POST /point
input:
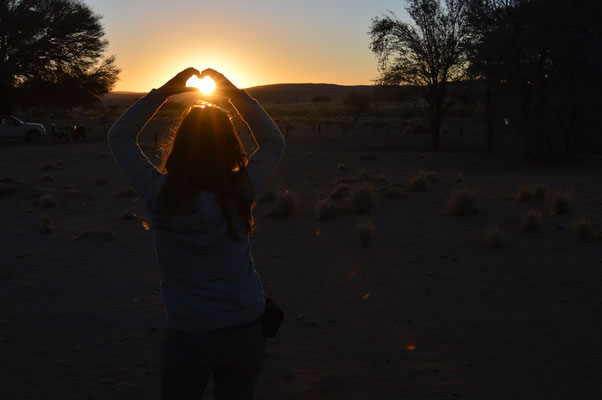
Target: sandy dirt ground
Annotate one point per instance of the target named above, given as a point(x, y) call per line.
point(425, 312)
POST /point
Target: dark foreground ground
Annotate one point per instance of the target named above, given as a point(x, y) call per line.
point(425, 312)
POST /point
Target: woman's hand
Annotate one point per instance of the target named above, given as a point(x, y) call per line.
point(177, 84)
point(223, 87)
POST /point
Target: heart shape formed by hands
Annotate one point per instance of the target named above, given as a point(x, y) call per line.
point(205, 85)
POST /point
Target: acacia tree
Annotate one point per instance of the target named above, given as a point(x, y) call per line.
point(427, 52)
point(52, 51)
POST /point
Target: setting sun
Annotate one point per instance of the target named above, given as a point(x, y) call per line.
point(205, 85)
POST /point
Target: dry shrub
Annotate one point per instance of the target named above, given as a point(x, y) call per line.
point(420, 182)
point(47, 178)
point(347, 180)
point(462, 202)
point(525, 193)
point(340, 193)
point(326, 209)
point(127, 193)
point(285, 204)
point(100, 181)
point(561, 203)
point(584, 229)
point(98, 233)
point(8, 181)
point(540, 190)
point(362, 199)
point(366, 176)
point(418, 128)
point(47, 201)
point(459, 178)
point(48, 165)
point(341, 166)
point(46, 223)
point(393, 191)
point(365, 230)
point(6, 189)
point(531, 221)
point(494, 237)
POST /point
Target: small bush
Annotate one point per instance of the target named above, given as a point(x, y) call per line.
point(326, 209)
point(494, 237)
point(525, 193)
point(540, 190)
point(365, 230)
point(462, 202)
point(47, 201)
point(284, 206)
point(46, 223)
point(584, 229)
point(561, 203)
point(365, 176)
point(49, 165)
point(47, 178)
point(6, 189)
point(98, 233)
point(420, 183)
point(362, 199)
point(100, 181)
point(531, 221)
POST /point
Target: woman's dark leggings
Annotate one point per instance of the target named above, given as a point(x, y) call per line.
point(234, 356)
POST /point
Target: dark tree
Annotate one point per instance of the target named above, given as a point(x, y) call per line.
point(540, 61)
point(52, 51)
point(427, 53)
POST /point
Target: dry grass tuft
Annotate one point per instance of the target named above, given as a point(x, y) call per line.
point(494, 237)
point(561, 203)
point(365, 230)
point(47, 178)
point(98, 233)
point(47, 201)
point(540, 190)
point(285, 205)
point(531, 221)
point(46, 223)
point(127, 193)
point(584, 229)
point(100, 181)
point(366, 176)
point(6, 189)
point(49, 165)
point(525, 193)
point(362, 199)
point(326, 209)
point(462, 202)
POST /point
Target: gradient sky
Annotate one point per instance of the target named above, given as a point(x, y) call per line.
point(253, 42)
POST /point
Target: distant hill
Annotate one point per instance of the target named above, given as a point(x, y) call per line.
point(278, 93)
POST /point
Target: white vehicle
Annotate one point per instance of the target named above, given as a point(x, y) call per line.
point(11, 127)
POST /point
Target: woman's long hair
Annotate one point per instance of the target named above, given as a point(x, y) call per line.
point(205, 154)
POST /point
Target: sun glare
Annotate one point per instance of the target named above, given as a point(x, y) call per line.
point(205, 85)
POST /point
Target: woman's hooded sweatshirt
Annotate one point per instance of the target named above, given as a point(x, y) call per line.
point(208, 279)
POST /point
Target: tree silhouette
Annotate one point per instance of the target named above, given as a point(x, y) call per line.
point(427, 53)
point(52, 51)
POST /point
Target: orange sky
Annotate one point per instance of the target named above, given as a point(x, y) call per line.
point(252, 42)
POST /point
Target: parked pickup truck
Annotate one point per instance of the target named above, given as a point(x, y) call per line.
point(11, 127)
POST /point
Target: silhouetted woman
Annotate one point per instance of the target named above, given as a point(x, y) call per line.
point(200, 205)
